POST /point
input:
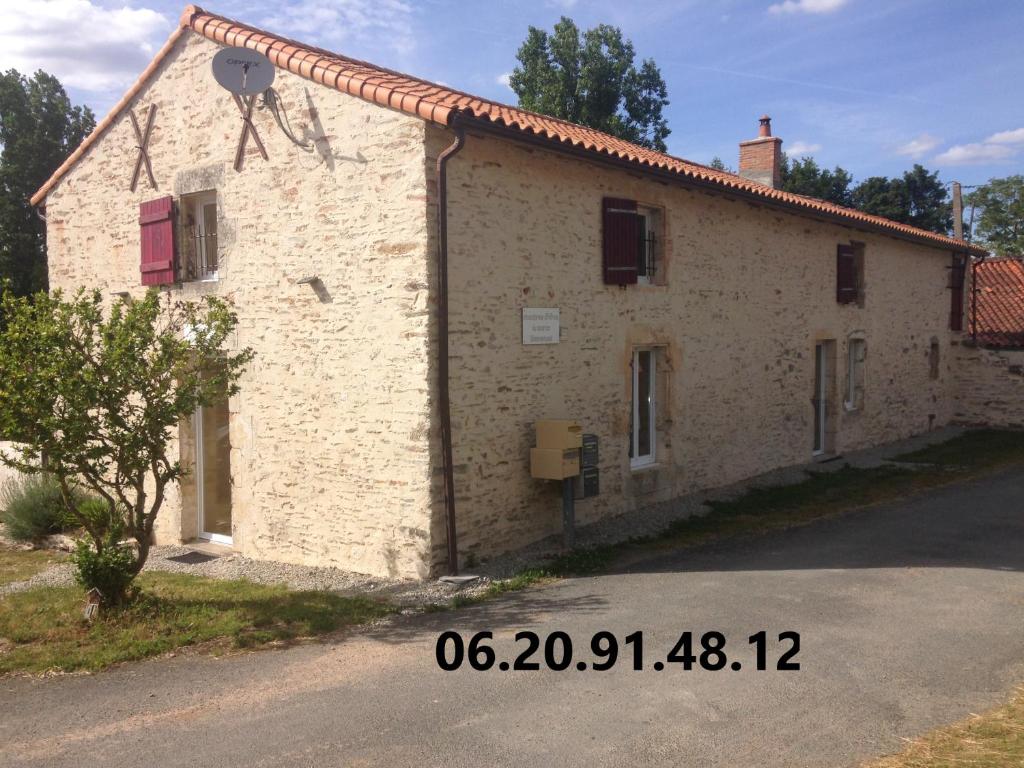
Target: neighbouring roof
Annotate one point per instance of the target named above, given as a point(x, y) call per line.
point(1000, 302)
point(442, 105)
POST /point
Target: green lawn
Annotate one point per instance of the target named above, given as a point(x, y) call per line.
point(18, 565)
point(43, 629)
point(994, 739)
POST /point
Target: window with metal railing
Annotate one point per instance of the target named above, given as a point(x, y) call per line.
point(647, 261)
point(198, 238)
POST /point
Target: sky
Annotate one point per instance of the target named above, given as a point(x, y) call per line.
point(871, 85)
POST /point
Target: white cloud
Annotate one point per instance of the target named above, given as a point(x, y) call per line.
point(505, 78)
point(798, 148)
point(807, 6)
point(1007, 137)
point(83, 44)
point(999, 146)
point(920, 146)
point(341, 24)
point(974, 154)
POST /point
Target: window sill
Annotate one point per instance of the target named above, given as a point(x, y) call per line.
point(644, 467)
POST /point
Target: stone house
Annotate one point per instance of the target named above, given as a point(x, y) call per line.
point(396, 250)
point(990, 365)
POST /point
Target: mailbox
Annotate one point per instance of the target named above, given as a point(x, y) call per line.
point(589, 445)
point(561, 434)
point(554, 463)
point(589, 483)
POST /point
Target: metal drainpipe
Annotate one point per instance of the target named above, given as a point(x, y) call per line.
point(974, 296)
point(444, 396)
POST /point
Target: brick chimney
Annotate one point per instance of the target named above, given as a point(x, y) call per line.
point(761, 158)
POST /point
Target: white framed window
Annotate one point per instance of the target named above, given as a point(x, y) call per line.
point(199, 236)
point(856, 350)
point(649, 220)
point(642, 436)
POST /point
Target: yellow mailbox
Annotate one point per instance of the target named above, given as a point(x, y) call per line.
point(554, 463)
point(559, 434)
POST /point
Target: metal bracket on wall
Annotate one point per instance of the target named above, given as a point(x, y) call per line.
point(143, 138)
point(247, 128)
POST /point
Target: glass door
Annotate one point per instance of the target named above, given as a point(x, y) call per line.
point(213, 472)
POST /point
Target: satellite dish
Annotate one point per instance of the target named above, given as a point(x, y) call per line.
point(243, 71)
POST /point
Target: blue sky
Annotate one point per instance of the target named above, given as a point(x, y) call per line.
point(872, 85)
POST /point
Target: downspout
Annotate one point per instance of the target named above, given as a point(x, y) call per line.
point(975, 263)
point(444, 396)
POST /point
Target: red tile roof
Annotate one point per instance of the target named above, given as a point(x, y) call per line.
point(442, 105)
point(1000, 297)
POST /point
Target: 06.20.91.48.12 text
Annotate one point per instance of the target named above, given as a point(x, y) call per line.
point(604, 651)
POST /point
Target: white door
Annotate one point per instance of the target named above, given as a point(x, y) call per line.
point(213, 472)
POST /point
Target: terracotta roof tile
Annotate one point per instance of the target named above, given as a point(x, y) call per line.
point(440, 104)
point(1000, 309)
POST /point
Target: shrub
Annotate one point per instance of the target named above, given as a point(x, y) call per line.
point(109, 570)
point(32, 507)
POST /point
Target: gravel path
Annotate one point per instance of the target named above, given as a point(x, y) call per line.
point(412, 594)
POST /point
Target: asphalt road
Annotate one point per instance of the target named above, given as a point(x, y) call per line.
point(910, 616)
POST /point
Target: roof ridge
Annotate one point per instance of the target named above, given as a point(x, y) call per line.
point(440, 104)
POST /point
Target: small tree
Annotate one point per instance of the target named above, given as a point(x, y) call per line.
point(99, 396)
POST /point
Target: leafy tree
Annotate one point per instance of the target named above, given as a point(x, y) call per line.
point(99, 395)
point(917, 198)
point(999, 210)
point(38, 129)
point(881, 196)
point(719, 165)
point(590, 78)
point(803, 176)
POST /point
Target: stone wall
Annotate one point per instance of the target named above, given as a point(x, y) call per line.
point(330, 459)
point(747, 291)
point(990, 387)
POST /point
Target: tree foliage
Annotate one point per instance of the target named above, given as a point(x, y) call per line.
point(39, 128)
point(917, 198)
point(99, 394)
point(591, 78)
point(803, 176)
point(999, 215)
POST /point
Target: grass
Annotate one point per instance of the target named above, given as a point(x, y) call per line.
point(18, 565)
point(43, 629)
point(994, 739)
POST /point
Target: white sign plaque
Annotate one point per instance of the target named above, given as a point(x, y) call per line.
point(540, 325)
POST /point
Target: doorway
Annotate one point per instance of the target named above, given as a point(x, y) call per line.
point(210, 426)
point(820, 399)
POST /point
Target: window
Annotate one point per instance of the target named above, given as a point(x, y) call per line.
point(642, 435)
point(855, 350)
point(647, 262)
point(199, 236)
point(631, 242)
point(850, 274)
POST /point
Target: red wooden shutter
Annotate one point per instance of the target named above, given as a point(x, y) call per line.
point(156, 221)
point(846, 275)
point(956, 293)
point(621, 241)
